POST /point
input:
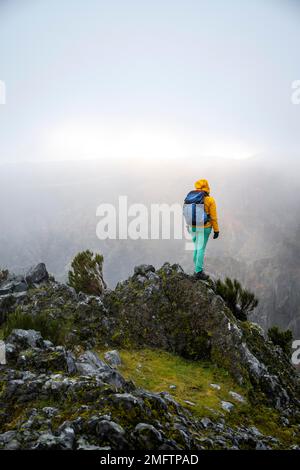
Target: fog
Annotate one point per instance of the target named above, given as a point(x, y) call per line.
point(48, 210)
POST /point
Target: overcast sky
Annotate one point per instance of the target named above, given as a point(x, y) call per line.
point(152, 79)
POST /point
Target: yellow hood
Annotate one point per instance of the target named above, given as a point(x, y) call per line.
point(202, 185)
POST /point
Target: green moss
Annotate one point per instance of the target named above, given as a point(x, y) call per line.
point(156, 370)
point(268, 421)
point(2, 387)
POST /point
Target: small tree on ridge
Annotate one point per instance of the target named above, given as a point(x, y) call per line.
point(86, 273)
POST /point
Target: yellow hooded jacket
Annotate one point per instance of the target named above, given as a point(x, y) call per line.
point(209, 205)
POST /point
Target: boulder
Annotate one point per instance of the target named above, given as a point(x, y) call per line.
point(90, 364)
point(227, 406)
point(29, 350)
point(37, 274)
point(13, 286)
point(24, 339)
point(144, 269)
point(216, 386)
point(113, 358)
point(111, 432)
point(48, 441)
point(51, 359)
point(237, 397)
point(147, 436)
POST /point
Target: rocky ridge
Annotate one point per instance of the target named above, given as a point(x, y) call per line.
point(58, 394)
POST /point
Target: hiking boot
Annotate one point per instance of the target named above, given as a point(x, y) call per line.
point(201, 276)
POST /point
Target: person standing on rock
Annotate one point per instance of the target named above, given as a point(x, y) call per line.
point(200, 213)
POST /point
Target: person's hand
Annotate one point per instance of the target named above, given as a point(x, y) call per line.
point(216, 234)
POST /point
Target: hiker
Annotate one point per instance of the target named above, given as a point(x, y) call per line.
point(201, 216)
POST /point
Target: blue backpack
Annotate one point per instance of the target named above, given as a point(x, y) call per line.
point(193, 209)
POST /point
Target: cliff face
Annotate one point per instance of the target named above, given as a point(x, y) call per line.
point(60, 394)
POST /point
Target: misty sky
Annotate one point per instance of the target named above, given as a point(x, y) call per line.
point(153, 79)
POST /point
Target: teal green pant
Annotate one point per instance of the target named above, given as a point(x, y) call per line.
point(200, 238)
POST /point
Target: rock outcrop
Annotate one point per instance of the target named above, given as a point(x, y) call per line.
point(170, 310)
point(58, 393)
point(50, 400)
point(13, 288)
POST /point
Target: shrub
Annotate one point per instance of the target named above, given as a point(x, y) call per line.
point(281, 338)
point(86, 273)
point(240, 301)
point(49, 328)
point(6, 305)
point(3, 275)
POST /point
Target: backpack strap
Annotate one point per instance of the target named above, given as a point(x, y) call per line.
point(193, 215)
